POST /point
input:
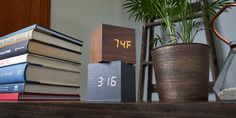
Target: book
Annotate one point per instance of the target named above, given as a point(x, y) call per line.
point(38, 89)
point(38, 74)
point(42, 34)
point(41, 97)
point(36, 47)
point(41, 60)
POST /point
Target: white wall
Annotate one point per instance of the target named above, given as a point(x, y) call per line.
point(78, 18)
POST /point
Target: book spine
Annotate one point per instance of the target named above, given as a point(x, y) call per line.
point(32, 27)
point(14, 50)
point(13, 74)
point(16, 38)
point(59, 35)
point(14, 60)
point(9, 96)
point(12, 88)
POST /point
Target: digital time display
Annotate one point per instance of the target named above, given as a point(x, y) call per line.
point(113, 81)
point(101, 81)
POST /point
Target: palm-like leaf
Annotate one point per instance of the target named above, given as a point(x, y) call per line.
point(168, 10)
point(214, 6)
point(155, 40)
point(140, 10)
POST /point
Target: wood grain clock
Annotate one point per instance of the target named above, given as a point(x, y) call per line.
point(114, 81)
point(111, 43)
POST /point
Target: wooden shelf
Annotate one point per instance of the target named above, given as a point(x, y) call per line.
point(112, 110)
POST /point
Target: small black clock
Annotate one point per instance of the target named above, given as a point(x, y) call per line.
point(114, 81)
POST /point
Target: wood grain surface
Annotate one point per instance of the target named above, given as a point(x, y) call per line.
point(105, 46)
point(116, 110)
point(17, 14)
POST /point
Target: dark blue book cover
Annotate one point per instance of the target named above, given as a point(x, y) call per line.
point(13, 74)
point(14, 50)
point(12, 88)
point(23, 48)
point(46, 31)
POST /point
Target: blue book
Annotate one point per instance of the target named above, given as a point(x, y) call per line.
point(37, 88)
point(39, 48)
point(13, 74)
point(12, 88)
point(31, 73)
point(14, 50)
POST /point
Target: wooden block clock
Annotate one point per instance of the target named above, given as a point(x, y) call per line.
point(111, 43)
point(114, 81)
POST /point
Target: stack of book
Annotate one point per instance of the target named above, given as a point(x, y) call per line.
point(37, 63)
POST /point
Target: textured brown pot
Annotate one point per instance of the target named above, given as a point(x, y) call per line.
point(182, 72)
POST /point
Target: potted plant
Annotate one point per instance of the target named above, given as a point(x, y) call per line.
point(181, 66)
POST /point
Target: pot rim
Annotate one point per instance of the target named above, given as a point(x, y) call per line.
point(206, 45)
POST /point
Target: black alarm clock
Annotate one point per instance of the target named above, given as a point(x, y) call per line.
point(114, 81)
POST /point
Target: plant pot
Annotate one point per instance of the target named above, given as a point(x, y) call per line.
point(182, 72)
